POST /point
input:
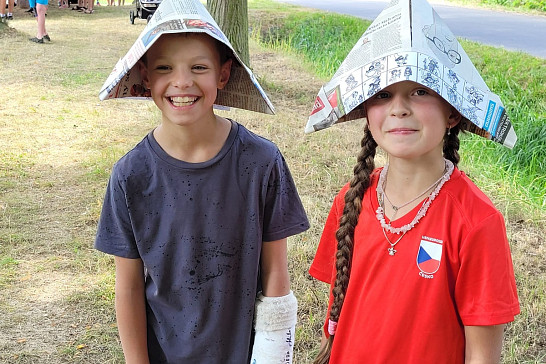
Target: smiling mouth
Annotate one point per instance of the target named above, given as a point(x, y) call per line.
point(401, 131)
point(180, 101)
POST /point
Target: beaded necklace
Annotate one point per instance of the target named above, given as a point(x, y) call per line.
point(449, 167)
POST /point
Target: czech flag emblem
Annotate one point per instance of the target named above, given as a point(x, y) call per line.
point(429, 255)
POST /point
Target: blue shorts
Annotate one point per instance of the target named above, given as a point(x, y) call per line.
point(41, 2)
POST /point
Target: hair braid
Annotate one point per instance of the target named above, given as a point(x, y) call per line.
point(451, 145)
point(345, 234)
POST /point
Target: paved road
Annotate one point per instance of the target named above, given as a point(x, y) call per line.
point(512, 31)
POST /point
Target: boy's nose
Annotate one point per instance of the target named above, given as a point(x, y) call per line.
point(182, 79)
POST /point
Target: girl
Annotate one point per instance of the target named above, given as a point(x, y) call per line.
point(422, 269)
point(417, 256)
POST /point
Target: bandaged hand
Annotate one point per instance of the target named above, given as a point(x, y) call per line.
point(275, 324)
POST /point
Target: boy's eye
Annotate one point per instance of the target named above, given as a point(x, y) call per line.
point(162, 68)
point(421, 92)
point(382, 95)
point(199, 68)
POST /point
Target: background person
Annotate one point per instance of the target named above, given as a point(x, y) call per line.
point(9, 15)
point(89, 7)
point(41, 34)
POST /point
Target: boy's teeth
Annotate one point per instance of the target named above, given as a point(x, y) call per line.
point(183, 101)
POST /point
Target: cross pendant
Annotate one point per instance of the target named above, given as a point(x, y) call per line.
point(391, 251)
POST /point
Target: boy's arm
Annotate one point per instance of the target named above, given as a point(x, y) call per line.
point(276, 308)
point(483, 344)
point(274, 268)
point(131, 309)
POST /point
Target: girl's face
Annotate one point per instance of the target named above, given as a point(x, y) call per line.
point(409, 121)
point(183, 73)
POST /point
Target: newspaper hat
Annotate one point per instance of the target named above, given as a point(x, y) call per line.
point(185, 16)
point(409, 41)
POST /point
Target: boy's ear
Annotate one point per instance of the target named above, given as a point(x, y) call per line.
point(225, 72)
point(455, 117)
point(144, 73)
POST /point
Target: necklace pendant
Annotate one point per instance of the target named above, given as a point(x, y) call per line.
point(395, 208)
point(392, 251)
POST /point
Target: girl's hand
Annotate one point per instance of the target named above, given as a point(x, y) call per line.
point(483, 344)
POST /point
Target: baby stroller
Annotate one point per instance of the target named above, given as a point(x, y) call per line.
point(144, 9)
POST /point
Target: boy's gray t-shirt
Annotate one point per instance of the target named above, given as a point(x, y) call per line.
point(199, 227)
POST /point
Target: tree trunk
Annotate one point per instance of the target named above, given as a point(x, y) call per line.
point(232, 18)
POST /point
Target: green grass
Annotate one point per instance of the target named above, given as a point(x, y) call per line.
point(317, 35)
point(8, 266)
point(325, 39)
point(519, 80)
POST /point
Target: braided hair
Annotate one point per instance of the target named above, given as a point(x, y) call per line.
point(345, 234)
point(347, 224)
point(451, 145)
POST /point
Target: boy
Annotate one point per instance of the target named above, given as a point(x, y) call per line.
point(197, 214)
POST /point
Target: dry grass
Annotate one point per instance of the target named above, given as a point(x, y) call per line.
point(58, 143)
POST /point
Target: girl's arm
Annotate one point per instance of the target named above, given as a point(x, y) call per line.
point(131, 309)
point(274, 266)
point(483, 344)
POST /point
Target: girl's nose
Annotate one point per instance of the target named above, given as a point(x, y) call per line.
point(399, 106)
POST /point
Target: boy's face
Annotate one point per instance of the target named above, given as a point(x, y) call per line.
point(409, 120)
point(183, 73)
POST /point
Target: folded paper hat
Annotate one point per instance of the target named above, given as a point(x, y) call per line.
point(185, 16)
point(409, 41)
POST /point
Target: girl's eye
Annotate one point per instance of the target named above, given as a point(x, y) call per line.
point(162, 68)
point(199, 68)
point(421, 92)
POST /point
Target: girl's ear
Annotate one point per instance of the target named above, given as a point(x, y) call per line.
point(454, 118)
point(225, 72)
point(144, 74)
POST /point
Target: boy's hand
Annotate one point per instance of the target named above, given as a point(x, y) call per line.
point(131, 310)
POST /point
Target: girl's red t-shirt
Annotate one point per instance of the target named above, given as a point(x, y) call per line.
point(454, 268)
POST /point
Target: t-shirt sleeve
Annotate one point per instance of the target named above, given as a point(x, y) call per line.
point(284, 214)
point(485, 289)
point(323, 263)
point(115, 234)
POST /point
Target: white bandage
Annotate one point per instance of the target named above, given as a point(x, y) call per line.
point(275, 323)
